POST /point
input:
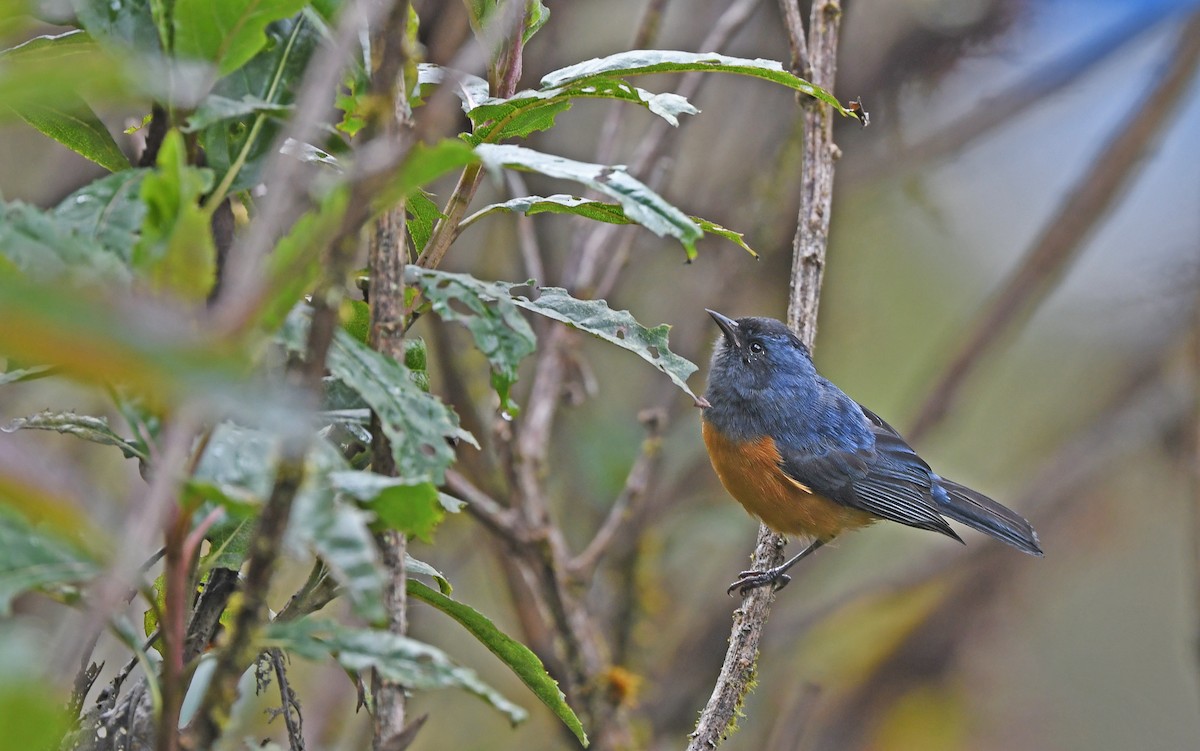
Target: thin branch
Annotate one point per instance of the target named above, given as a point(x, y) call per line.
point(289, 705)
point(796, 39)
point(808, 262)
point(1064, 234)
point(626, 509)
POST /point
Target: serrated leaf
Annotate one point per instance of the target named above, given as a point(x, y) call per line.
point(592, 316)
point(519, 658)
point(32, 558)
point(641, 62)
point(239, 464)
point(45, 249)
point(409, 662)
point(227, 32)
point(600, 211)
point(411, 508)
point(176, 251)
point(418, 425)
point(87, 427)
point(500, 332)
point(423, 215)
point(71, 122)
point(529, 111)
point(639, 203)
point(108, 210)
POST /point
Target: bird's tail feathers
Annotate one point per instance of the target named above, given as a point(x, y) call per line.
point(982, 513)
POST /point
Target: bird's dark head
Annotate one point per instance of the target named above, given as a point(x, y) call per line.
point(755, 355)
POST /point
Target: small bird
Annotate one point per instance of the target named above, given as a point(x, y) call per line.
point(806, 459)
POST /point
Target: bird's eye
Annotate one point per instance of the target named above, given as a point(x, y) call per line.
point(756, 347)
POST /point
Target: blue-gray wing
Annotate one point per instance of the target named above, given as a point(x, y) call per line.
point(883, 476)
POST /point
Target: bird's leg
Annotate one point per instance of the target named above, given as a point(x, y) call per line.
point(777, 577)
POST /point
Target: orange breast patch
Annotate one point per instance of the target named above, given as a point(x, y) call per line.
point(751, 472)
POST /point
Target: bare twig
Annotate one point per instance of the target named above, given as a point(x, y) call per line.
point(796, 40)
point(808, 261)
point(1064, 235)
point(625, 509)
point(289, 705)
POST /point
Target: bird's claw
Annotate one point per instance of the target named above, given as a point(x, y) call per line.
point(748, 580)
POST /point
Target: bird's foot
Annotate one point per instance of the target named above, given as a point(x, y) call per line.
point(748, 580)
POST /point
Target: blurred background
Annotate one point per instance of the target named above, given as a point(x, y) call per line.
point(1038, 156)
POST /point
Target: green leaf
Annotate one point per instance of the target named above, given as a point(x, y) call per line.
point(519, 658)
point(423, 165)
point(295, 264)
point(411, 508)
point(591, 316)
point(641, 62)
point(409, 662)
point(216, 108)
point(500, 333)
point(270, 77)
point(239, 465)
point(229, 542)
point(31, 558)
point(45, 249)
point(94, 429)
point(176, 251)
point(529, 111)
point(72, 123)
point(639, 203)
point(599, 211)
point(418, 425)
point(31, 714)
point(53, 71)
point(423, 215)
point(227, 32)
point(123, 24)
point(108, 210)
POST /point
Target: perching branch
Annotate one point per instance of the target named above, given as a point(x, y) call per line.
point(808, 263)
point(1064, 234)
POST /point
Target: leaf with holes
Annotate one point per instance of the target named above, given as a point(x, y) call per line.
point(411, 663)
point(500, 332)
point(94, 429)
point(592, 316)
point(419, 426)
point(641, 62)
point(598, 211)
point(639, 203)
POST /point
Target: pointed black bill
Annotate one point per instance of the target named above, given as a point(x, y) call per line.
point(728, 326)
